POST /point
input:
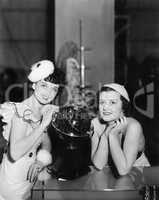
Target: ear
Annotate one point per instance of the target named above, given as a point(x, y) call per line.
point(33, 86)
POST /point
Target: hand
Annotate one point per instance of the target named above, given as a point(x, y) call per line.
point(47, 112)
point(118, 126)
point(34, 171)
point(108, 129)
point(6, 111)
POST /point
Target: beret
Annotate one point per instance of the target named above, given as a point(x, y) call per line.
point(41, 70)
point(118, 88)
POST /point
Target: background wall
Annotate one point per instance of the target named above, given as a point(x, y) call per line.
point(140, 34)
point(97, 18)
point(26, 36)
point(23, 30)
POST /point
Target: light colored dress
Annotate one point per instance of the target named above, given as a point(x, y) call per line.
point(13, 175)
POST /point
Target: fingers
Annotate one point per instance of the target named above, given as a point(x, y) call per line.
point(48, 112)
point(33, 172)
point(117, 127)
point(121, 120)
point(121, 123)
point(55, 108)
point(6, 111)
point(49, 108)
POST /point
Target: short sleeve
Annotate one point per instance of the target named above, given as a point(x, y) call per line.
point(7, 112)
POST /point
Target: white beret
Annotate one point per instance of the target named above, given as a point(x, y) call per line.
point(41, 70)
point(118, 88)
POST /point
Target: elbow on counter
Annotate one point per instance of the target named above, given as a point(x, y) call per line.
point(98, 166)
point(123, 171)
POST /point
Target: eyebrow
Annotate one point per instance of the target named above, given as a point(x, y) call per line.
point(52, 84)
point(109, 99)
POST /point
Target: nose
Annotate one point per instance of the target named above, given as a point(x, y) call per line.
point(48, 91)
point(106, 105)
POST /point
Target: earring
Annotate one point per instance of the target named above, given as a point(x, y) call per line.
point(33, 86)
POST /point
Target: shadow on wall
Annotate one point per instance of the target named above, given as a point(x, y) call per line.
point(143, 87)
point(11, 77)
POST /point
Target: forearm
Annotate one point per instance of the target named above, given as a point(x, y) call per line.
point(118, 155)
point(46, 144)
point(22, 146)
point(100, 156)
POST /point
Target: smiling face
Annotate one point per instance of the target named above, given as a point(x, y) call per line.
point(45, 91)
point(110, 106)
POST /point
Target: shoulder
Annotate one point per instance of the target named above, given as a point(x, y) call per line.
point(134, 133)
point(21, 108)
point(22, 113)
point(134, 127)
point(132, 122)
point(95, 122)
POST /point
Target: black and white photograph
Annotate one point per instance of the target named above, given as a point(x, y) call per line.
point(79, 100)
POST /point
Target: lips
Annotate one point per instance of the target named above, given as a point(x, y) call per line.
point(107, 113)
point(45, 98)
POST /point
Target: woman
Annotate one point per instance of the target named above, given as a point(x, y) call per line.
point(26, 133)
point(117, 140)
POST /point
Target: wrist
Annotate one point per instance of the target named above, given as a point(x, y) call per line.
point(114, 136)
point(42, 128)
point(103, 136)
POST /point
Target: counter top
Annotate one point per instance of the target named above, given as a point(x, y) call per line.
point(95, 185)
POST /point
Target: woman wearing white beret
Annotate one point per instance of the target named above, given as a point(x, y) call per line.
point(117, 140)
point(26, 133)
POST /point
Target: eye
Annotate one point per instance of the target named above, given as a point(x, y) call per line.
point(113, 102)
point(101, 102)
point(43, 85)
point(55, 89)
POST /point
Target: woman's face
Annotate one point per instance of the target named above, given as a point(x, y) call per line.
point(110, 106)
point(45, 91)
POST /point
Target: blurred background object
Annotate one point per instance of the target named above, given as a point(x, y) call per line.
point(123, 42)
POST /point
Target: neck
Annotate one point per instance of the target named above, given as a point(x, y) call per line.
point(113, 121)
point(34, 105)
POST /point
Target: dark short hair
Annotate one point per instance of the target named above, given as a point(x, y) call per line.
point(125, 103)
point(57, 77)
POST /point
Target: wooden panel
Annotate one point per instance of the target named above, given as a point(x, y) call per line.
point(22, 54)
point(14, 4)
point(22, 26)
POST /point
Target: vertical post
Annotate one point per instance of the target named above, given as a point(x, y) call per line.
point(50, 30)
point(82, 66)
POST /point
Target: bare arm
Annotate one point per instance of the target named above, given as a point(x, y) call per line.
point(99, 150)
point(46, 143)
point(20, 143)
point(99, 144)
point(125, 158)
